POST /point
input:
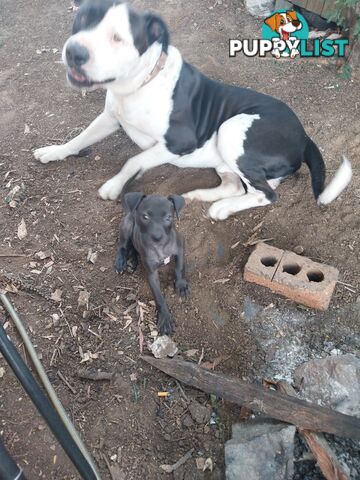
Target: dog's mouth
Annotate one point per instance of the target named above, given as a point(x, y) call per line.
point(79, 79)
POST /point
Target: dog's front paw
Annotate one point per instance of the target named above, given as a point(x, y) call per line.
point(165, 322)
point(120, 264)
point(51, 153)
point(182, 287)
point(111, 189)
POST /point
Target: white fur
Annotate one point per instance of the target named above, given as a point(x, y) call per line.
point(228, 206)
point(340, 181)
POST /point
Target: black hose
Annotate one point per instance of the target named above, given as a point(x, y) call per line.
point(44, 406)
point(8, 468)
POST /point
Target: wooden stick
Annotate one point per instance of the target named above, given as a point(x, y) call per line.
point(10, 255)
point(61, 376)
point(274, 404)
point(95, 376)
point(325, 457)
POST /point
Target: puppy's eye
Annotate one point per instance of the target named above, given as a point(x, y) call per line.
point(282, 21)
point(116, 38)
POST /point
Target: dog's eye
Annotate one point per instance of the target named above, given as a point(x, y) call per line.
point(116, 38)
point(282, 21)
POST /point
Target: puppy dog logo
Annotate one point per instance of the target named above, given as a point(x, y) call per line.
point(285, 29)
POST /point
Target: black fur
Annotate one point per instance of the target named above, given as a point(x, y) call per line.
point(276, 144)
point(147, 29)
point(91, 13)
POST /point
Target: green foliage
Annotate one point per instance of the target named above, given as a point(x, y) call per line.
point(338, 15)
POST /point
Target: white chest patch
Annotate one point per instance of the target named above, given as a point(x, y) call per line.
point(144, 115)
point(167, 260)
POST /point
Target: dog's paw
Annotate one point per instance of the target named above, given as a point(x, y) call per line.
point(165, 322)
point(111, 189)
point(218, 211)
point(182, 287)
point(120, 264)
point(51, 153)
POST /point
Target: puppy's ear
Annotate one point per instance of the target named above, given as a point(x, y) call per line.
point(292, 14)
point(178, 201)
point(156, 30)
point(132, 200)
point(272, 21)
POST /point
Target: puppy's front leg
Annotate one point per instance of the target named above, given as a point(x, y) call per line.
point(101, 127)
point(181, 285)
point(165, 322)
point(126, 250)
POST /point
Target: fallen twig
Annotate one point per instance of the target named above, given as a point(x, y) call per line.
point(184, 459)
point(61, 376)
point(95, 376)
point(10, 255)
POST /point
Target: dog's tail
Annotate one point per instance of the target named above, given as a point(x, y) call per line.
point(126, 186)
point(339, 182)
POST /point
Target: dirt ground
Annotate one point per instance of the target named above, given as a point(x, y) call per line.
point(124, 423)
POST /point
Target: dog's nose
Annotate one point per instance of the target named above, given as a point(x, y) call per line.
point(296, 23)
point(157, 236)
point(76, 55)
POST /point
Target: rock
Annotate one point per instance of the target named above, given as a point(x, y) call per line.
point(187, 421)
point(260, 8)
point(261, 449)
point(332, 381)
point(299, 249)
point(163, 347)
point(199, 413)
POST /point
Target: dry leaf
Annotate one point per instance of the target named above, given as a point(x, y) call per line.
point(191, 353)
point(92, 256)
point(42, 255)
point(83, 300)
point(26, 129)
point(56, 296)
point(2, 372)
point(22, 231)
point(212, 365)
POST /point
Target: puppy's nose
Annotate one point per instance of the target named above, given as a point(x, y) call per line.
point(76, 55)
point(157, 236)
point(296, 23)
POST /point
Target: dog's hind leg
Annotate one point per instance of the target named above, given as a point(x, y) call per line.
point(230, 186)
point(101, 127)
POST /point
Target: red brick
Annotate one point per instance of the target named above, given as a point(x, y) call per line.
point(298, 278)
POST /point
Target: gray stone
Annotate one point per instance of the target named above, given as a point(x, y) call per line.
point(199, 413)
point(261, 449)
point(259, 8)
point(333, 381)
point(163, 347)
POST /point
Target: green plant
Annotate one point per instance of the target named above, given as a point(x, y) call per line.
point(339, 15)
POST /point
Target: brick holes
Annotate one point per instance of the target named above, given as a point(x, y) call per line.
point(292, 268)
point(269, 261)
point(315, 276)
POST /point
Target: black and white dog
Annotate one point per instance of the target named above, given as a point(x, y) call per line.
point(177, 115)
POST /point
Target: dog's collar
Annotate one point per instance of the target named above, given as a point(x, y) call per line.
point(160, 64)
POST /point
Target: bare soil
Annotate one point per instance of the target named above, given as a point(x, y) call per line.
point(124, 421)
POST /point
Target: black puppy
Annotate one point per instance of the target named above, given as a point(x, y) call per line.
point(148, 230)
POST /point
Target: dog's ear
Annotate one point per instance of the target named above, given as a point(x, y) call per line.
point(292, 14)
point(272, 21)
point(132, 200)
point(178, 201)
point(156, 30)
